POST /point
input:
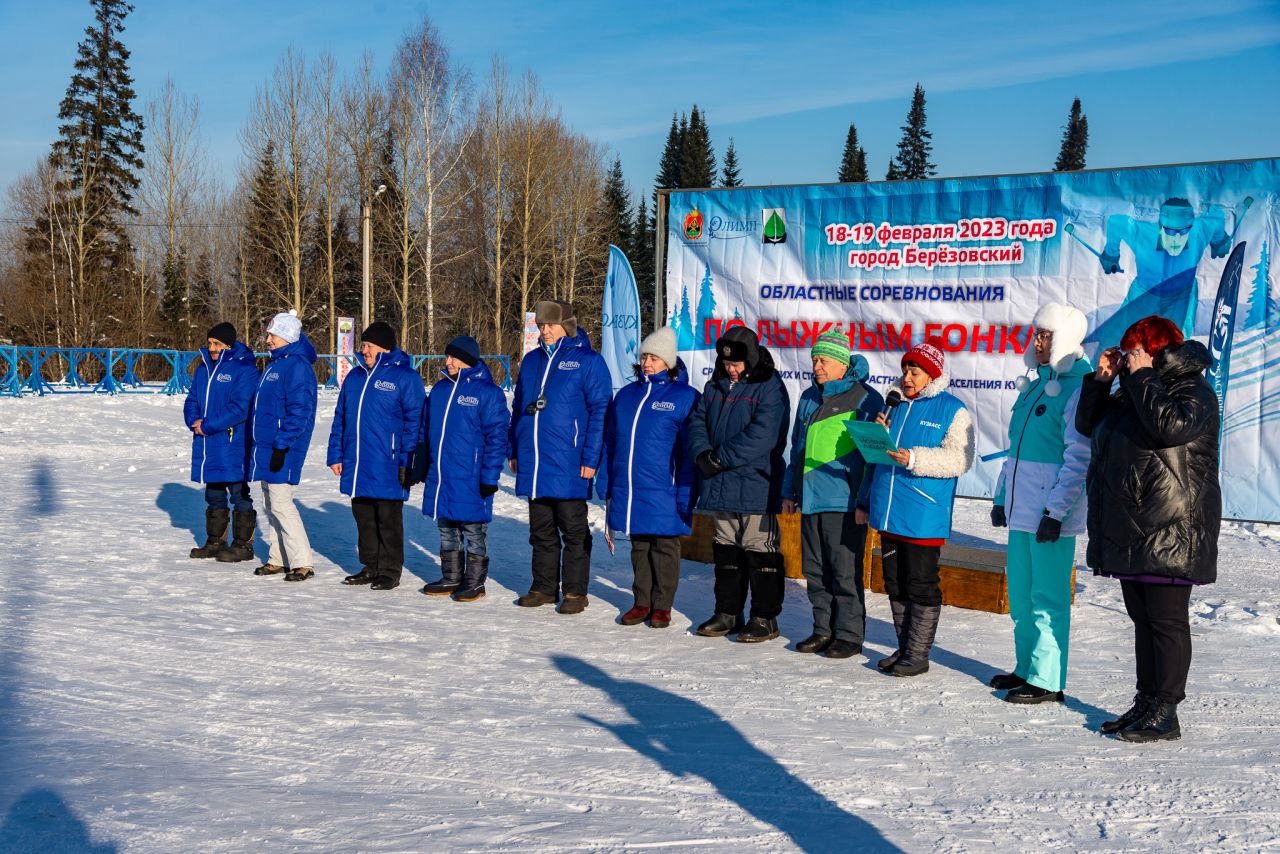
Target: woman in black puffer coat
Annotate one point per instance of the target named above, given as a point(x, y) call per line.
point(1155, 506)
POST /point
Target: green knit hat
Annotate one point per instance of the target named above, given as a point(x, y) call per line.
point(833, 345)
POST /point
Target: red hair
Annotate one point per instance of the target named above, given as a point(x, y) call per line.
point(1152, 334)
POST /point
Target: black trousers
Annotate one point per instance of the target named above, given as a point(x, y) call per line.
point(656, 564)
point(1161, 637)
point(380, 535)
point(739, 571)
point(561, 541)
point(911, 572)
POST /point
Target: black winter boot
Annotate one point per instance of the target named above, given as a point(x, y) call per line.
point(720, 625)
point(243, 523)
point(1141, 702)
point(1160, 723)
point(922, 625)
point(731, 578)
point(473, 578)
point(758, 629)
point(450, 575)
point(216, 520)
point(901, 617)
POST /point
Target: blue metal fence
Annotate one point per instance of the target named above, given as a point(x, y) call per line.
point(63, 370)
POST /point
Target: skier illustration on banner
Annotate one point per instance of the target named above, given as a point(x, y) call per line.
point(1167, 253)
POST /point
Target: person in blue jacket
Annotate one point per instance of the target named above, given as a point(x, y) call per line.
point(284, 414)
point(736, 437)
point(822, 482)
point(648, 479)
point(374, 432)
point(464, 445)
point(216, 411)
point(910, 501)
point(557, 438)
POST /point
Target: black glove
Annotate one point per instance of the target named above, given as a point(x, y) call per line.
point(709, 464)
point(406, 477)
point(277, 458)
point(487, 489)
point(1049, 531)
point(998, 519)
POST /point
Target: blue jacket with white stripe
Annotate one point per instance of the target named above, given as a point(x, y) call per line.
point(221, 394)
point(466, 442)
point(375, 426)
point(284, 412)
point(648, 476)
point(552, 444)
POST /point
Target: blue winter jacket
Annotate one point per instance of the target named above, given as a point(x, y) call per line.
point(915, 500)
point(284, 412)
point(647, 476)
point(746, 425)
point(465, 442)
point(552, 445)
point(221, 393)
point(826, 470)
point(375, 426)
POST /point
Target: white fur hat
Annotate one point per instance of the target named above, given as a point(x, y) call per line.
point(286, 325)
point(1068, 326)
point(661, 343)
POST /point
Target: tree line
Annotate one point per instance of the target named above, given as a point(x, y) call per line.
point(481, 201)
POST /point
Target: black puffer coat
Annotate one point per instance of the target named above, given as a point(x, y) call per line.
point(1154, 501)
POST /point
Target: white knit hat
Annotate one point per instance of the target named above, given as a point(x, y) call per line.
point(662, 343)
point(286, 325)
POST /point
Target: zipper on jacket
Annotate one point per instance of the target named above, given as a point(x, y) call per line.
point(204, 445)
point(444, 426)
point(542, 388)
point(253, 430)
point(631, 452)
point(368, 381)
point(893, 470)
point(1013, 475)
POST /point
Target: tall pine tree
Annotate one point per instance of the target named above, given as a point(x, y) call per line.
point(640, 253)
point(617, 207)
point(697, 157)
point(730, 175)
point(912, 162)
point(853, 163)
point(1075, 141)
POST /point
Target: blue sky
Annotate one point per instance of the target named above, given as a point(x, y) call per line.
point(1163, 82)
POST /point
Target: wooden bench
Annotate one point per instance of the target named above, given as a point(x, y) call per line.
point(971, 576)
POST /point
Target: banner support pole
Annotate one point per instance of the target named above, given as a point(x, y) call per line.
point(660, 260)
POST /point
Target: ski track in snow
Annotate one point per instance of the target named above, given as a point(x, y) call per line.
point(150, 702)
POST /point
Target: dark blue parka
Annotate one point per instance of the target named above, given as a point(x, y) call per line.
point(221, 393)
point(375, 426)
point(284, 412)
point(647, 475)
point(746, 425)
point(553, 444)
point(466, 444)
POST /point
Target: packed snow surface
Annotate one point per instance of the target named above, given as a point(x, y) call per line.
point(150, 702)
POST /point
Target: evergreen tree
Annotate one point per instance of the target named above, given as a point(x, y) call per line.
point(730, 175)
point(640, 253)
point(892, 174)
point(706, 307)
point(617, 208)
point(261, 261)
point(1075, 141)
point(1264, 312)
point(668, 177)
point(697, 157)
point(853, 163)
point(174, 309)
point(912, 162)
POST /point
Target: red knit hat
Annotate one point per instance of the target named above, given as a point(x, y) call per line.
point(928, 355)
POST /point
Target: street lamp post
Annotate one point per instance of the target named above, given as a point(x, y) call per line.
point(366, 238)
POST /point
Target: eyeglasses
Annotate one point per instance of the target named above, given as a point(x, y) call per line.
point(1043, 335)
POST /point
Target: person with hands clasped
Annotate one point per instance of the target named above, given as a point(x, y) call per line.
point(1040, 498)
point(557, 439)
point(910, 503)
point(374, 433)
point(284, 414)
point(217, 412)
point(464, 445)
point(1155, 506)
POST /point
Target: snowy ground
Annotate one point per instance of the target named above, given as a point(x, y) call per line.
point(149, 702)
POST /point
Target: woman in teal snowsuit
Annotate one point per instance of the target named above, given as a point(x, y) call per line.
point(1040, 497)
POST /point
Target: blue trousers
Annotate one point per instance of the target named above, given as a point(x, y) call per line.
point(454, 535)
point(1039, 576)
point(215, 495)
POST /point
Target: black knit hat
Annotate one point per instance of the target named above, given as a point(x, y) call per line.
point(381, 334)
point(224, 332)
point(465, 349)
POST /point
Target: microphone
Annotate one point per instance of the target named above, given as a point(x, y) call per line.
point(891, 400)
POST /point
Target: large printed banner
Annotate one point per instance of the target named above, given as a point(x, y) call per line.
point(970, 260)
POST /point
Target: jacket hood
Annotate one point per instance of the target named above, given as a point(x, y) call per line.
point(1068, 326)
point(302, 347)
point(1177, 360)
point(933, 389)
point(682, 374)
point(479, 372)
point(859, 368)
point(239, 352)
point(393, 357)
point(579, 340)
